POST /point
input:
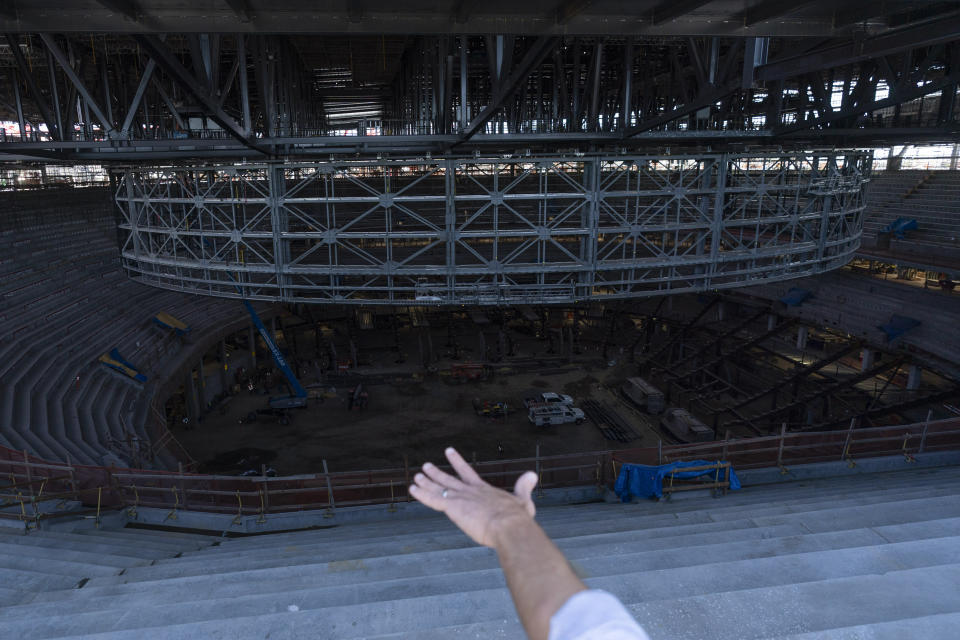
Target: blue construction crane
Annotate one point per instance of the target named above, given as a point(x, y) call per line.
point(299, 397)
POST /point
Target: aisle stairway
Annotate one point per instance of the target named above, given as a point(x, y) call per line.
point(865, 554)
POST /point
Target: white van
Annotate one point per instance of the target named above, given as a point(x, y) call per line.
point(548, 399)
point(557, 414)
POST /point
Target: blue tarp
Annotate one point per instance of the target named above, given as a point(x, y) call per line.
point(645, 481)
point(898, 226)
point(795, 297)
point(897, 326)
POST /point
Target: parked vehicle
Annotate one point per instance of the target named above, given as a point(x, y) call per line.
point(557, 414)
point(548, 399)
point(684, 426)
point(644, 395)
point(466, 371)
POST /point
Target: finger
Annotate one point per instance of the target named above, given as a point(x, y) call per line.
point(429, 498)
point(464, 470)
point(442, 478)
point(426, 483)
point(523, 488)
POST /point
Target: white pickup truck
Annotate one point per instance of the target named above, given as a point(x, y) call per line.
point(548, 399)
point(556, 414)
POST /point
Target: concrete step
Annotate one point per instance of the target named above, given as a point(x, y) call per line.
point(124, 543)
point(808, 491)
point(738, 563)
point(50, 566)
point(828, 603)
point(30, 581)
point(814, 521)
point(362, 556)
point(10, 597)
point(450, 538)
point(617, 518)
point(944, 625)
point(92, 546)
point(60, 554)
point(470, 557)
point(149, 540)
point(164, 534)
point(827, 607)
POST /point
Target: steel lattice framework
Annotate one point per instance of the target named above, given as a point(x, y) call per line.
point(490, 231)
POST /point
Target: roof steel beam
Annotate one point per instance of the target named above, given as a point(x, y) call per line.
point(173, 67)
point(667, 11)
point(945, 29)
point(534, 56)
point(71, 74)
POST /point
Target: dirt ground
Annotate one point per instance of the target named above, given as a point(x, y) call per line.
point(412, 418)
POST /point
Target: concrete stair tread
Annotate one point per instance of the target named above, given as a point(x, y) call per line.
point(92, 546)
point(454, 539)
point(35, 581)
point(135, 538)
point(942, 625)
point(52, 566)
point(214, 565)
point(749, 496)
point(60, 553)
point(858, 599)
point(731, 566)
point(656, 516)
point(121, 542)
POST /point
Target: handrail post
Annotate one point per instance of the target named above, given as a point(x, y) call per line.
point(659, 451)
point(392, 508)
point(331, 505)
point(923, 435)
point(540, 472)
point(180, 483)
point(73, 479)
point(266, 487)
point(846, 445)
point(783, 435)
point(238, 520)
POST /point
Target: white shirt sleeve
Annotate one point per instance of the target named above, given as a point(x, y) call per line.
point(594, 615)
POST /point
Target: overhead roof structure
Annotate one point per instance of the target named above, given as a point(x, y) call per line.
point(542, 17)
point(136, 80)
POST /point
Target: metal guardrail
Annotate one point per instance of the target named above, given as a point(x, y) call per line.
point(262, 495)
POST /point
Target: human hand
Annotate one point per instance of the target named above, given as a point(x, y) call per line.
point(482, 511)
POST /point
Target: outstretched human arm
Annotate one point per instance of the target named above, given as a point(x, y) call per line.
point(539, 577)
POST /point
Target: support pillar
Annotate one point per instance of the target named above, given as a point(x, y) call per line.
point(802, 334)
point(914, 374)
point(190, 391)
point(253, 348)
point(201, 386)
point(721, 311)
point(867, 358)
point(771, 321)
point(224, 382)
